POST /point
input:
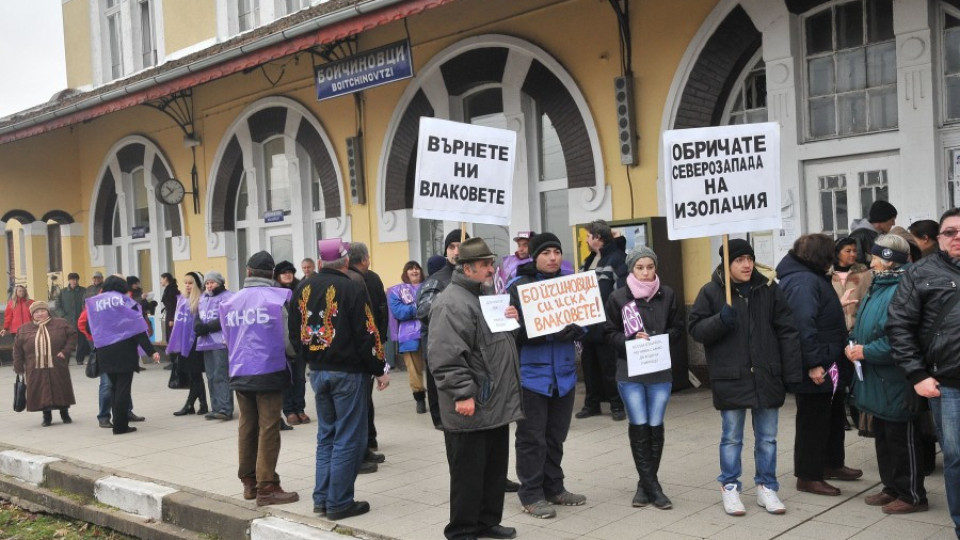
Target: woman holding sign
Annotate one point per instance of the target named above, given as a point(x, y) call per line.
point(640, 310)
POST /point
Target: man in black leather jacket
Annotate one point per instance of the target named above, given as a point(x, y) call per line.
point(925, 341)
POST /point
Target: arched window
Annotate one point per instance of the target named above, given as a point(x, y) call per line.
point(132, 232)
point(275, 187)
point(747, 103)
point(502, 82)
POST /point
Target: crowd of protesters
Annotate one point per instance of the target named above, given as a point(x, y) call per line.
point(864, 324)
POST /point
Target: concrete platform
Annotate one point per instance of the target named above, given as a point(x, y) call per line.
point(197, 460)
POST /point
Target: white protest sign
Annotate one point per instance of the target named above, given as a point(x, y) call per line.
point(464, 172)
point(648, 355)
point(552, 304)
point(492, 306)
point(722, 180)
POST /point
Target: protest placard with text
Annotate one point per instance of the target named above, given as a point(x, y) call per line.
point(722, 180)
point(648, 355)
point(552, 304)
point(464, 172)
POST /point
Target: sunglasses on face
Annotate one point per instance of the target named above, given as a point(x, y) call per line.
point(949, 233)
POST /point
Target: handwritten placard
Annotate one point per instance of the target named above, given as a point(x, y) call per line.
point(648, 355)
point(552, 304)
point(492, 307)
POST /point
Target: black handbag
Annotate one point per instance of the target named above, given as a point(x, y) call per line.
point(179, 378)
point(19, 394)
point(92, 369)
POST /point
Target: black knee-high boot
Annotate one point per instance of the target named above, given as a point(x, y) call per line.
point(197, 387)
point(639, 447)
point(652, 484)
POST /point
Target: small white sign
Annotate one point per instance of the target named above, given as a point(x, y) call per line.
point(464, 172)
point(722, 180)
point(492, 307)
point(550, 305)
point(648, 355)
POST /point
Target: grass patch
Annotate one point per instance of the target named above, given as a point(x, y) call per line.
point(18, 524)
point(75, 497)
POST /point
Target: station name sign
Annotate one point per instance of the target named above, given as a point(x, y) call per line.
point(368, 69)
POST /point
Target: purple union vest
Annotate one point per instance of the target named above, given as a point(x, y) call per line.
point(209, 310)
point(181, 336)
point(114, 317)
point(252, 321)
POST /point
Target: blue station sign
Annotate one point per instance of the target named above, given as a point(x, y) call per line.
point(368, 69)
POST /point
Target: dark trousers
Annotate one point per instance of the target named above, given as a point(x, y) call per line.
point(599, 364)
point(900, 459)
point(478, 475)
point(83, 348)
point(371, 428)
point(121, 402)
point(197, 389)
point(539, 443)
point(819, 438)
point(259, 435)
point(432, 399)
point(294, 397)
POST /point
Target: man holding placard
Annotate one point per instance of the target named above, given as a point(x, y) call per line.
point(548, 377)
point(478, 381)
point(753, 352)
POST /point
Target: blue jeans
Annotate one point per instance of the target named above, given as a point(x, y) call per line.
point(765, 447)
point(216, 365)
point(645, 403)
point(946, 411)
point(106, 398)
point(341, 435)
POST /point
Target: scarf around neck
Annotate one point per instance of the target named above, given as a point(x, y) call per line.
point(643, 289)
point(42, 346)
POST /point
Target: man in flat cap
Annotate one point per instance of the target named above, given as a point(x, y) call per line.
point(478, 382)
point(256, 317)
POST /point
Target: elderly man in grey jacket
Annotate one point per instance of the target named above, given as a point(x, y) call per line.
point(478, 382)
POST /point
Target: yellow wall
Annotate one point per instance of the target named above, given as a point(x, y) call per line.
point(187, 22)
point(580, 34)
point(76, 43)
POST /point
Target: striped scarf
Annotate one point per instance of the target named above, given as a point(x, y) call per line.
point(41, 344)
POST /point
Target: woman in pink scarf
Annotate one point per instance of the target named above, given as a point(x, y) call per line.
point(641, 309)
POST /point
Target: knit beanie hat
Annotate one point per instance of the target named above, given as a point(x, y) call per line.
point(213, 275)
point(452, 236)
point(435, 263)
point(881, 211)
point(638, 253)
point(738, 248)
point(261, 260)
point(543, 241)
point(39, 304)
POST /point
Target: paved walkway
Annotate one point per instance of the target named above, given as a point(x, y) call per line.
point(409, 494)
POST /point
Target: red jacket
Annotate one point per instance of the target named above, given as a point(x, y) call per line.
point(17, 313)
point(83, 324)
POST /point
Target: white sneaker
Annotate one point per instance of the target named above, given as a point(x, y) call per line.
point(767, 498)
point(731, 500)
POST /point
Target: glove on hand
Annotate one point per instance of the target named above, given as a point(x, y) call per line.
point(728, 314)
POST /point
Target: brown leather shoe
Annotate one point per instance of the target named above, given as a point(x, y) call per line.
point(879, 499)
point(274, 494)
point(249, 488)
point(304, 419)
point(898, 506)
point(843, 473)
point(817, 487)
point(293, 419)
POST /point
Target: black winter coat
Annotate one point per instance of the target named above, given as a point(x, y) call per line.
point(924, 289)
point(750, 364)
point(819, 319)
point(660, 315)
